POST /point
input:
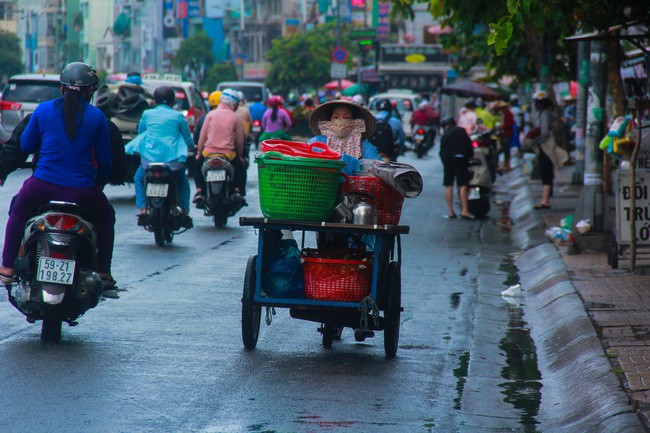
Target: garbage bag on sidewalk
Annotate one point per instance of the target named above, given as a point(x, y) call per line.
point(402, 177)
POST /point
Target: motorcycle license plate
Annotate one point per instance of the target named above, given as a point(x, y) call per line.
point(58, 271)
point(157, 189)
point(215, 176)
point(419, 137)
point(474, 194)
point(257, 129)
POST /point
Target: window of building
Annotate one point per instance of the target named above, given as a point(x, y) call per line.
point(6, 11)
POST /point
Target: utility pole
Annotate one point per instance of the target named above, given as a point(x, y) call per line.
point(593, 178)
point(241, 37)
point(338, 32)
point(581, 111)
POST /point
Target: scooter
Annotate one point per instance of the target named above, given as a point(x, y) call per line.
point(164, 217)
point(55, 278)
point(480, 184)
point(256, 130)
point(423, 139)
point(487, 141)
point(221, 201)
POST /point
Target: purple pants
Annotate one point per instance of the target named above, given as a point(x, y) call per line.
point(36, 191)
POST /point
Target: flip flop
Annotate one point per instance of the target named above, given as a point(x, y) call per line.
point(6, 279)
point(541, 206)
point(451, 217)
point(465, 217)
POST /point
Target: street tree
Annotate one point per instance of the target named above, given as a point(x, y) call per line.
point(194, 57)
point(533, 32)
point(302, 61)
point(221, 71)
point(11, 55)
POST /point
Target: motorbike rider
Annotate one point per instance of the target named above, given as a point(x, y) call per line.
point(425, 115)
point(213, 100)
point(399, 136)
point(276, 122)
point(258, 108)
point(72, 138)
point(163, 136)
point(223, 133)
point(456, 152)
point(247, 122)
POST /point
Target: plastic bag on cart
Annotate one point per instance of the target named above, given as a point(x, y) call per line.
point(285, 277)
point(402, 177)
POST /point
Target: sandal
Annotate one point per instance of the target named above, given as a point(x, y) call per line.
point(542, 206)
point(7, 279)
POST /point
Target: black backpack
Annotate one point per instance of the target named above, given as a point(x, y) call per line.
point(382, 137)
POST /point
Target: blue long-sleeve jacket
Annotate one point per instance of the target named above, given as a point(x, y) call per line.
point(163, 136)
point(62, 161)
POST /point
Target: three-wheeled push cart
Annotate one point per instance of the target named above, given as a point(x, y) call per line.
point(372, 302)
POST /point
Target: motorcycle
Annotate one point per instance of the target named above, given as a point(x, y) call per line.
point(164, 217)
point(423, 139)
point(221, 201)
point(55, 281)
point(481, 180)
point(256, 131)
point(487, 141)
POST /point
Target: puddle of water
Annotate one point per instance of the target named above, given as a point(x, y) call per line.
point(461, 373)
point(522, 388)
point(454, 300)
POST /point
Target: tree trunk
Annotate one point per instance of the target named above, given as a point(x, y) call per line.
point(615, 83)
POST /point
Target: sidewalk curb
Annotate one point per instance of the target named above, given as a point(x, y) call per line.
point(580, 392)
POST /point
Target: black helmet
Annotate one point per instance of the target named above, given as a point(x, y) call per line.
point(79, 74)
point(447, 121)
point(164, 95)
point(384, 105)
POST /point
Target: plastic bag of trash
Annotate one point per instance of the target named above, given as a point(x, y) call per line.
point(583, 226)
point(567, 222)
point(285, 277)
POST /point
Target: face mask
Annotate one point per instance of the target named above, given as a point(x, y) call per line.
point(344, 135)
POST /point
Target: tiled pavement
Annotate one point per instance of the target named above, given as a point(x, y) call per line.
point(618, 302)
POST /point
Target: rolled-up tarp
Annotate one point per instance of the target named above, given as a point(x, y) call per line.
point(402, 177)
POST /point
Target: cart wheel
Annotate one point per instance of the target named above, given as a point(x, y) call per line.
point(328, 332)
point(251, 313)
point(393, 310)
point(612, 255)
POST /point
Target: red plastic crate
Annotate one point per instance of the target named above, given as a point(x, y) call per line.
point(336, 280)
point(388, 200)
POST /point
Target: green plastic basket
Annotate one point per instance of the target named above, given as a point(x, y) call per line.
point(295, 188)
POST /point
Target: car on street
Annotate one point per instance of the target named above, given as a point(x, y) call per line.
point(250, 89)
point(404, 100)
point(21, 95)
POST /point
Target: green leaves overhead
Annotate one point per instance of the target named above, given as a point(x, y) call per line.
point(302, 60)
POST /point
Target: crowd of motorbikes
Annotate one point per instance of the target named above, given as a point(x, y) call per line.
point(55, 281)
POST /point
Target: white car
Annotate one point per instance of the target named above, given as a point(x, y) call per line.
point(404, 100)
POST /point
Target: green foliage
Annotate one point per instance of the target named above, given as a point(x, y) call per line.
point(218, 72)
point(11, 54)
point(302, 61)
point(195, 54)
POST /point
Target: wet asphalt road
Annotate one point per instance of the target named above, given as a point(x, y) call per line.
point(168, 355)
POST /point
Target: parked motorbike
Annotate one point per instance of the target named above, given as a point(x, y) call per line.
point(423, 139)
point(481, 180)
point(221, 201)
point(487, 141)
point(256, 131)
point(164, 217)
point(55, 277)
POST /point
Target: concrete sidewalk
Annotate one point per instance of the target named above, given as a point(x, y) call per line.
point(616, 301)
